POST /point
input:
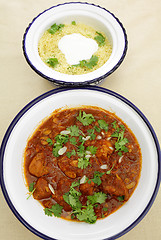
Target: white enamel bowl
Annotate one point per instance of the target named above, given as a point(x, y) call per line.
point(90, 14)
point(31, 213)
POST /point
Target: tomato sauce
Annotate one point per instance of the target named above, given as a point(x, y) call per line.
point(84, 161)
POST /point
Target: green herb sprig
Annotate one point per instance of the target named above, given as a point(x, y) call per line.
point(54, 28)
point(121, 141)
point(88, 64)
point(100, 39)
point(56, 209)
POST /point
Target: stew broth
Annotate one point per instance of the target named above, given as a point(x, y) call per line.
point(82, 164)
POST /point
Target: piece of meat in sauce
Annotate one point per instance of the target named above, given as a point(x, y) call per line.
point(113, 185)
point(38, 166)
point(87, 188)
point(104, 149)
point(69, 167)
point(41, 189)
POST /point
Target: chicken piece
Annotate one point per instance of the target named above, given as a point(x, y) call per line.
point(87, 188)
point(105, 148)
point(67, 167)
point(41, 189)
point(38, 166)
point(113, 185)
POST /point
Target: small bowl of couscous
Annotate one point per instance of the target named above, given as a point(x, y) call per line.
point(75, 44)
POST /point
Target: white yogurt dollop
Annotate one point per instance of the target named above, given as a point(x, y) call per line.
point(76, 47)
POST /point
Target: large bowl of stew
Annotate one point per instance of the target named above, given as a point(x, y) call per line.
point(80, 163)
point(75, 43)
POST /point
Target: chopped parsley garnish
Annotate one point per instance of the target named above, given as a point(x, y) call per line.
point(86, 214)
point(91, 133)
point(97, 129)
point(31, 189)
point(92, 149)
point(73, 22)
point(100, 39)
point(97, 197)
point(81, 150)
point(103, 125)
point(72, 197)
point(72, 153)
point(109, 171)
point(83, 213)
point(105, 209)
point(85, 119)
point(59, 141)
point(97, 177)
point(50, 142)
point(83, 162)
point(73, 141)
point(121, 141)
point(56, 149)
point(121, 198)
point(114, 124)
point(88, 64)
point(31, 186)
point(74, 130)
point(56, 209)
point(54, 28)
point(52, 62)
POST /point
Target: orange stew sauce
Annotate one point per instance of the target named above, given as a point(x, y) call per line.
point(82, 164)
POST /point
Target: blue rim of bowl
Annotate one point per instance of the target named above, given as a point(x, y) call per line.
point(63, 83)
point(62, 89)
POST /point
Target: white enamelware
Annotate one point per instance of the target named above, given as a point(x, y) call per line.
point(31, 213)
point(97, 17)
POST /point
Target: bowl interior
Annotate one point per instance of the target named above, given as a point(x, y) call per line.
point(32, 212)
point(95, 16)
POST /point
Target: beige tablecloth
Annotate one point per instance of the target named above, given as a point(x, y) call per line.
point(138, 79)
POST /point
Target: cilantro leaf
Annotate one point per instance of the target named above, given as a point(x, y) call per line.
point(91, 133)
point(121, 141)
point(97, 177)
point(97, 129)
point(86, 214)
point(56, 149)
point(48, 212)
point(103, 125)
point(74, 130)
point(121, 198)
point(55, 209)
point(83, 162)
point(61, 139)
point(52, 62)
point(73, 22)
point(92, 149)
point(73, 140)
point(88, 64)
point(72, 197)
point(85, 119)
point(50, 142)
point(114, 124)
point(81, 150)
point(31, 189)
point(54, 28)
point(109, 171)
point(100, 39)
point(105, 209)
point(97, 197)
point(31, 186)
point(72, 153)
